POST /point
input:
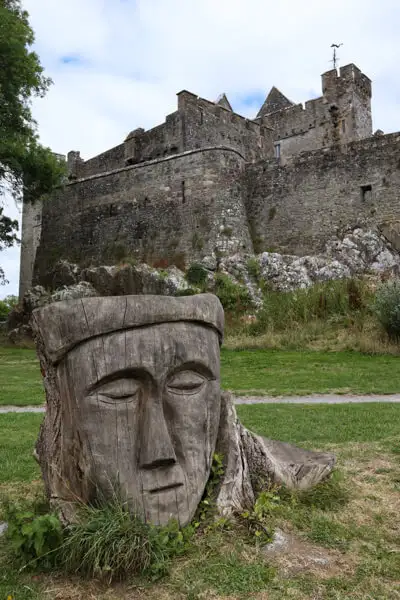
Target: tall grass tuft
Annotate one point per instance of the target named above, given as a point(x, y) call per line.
point(330, 300)
point(108, 542)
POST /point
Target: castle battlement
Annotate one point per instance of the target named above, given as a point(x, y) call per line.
point(209, 182)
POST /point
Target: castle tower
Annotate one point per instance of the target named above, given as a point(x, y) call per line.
point(349, 92)
point(341, 115)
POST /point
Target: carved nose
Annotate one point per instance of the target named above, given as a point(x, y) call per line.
point(156, 448)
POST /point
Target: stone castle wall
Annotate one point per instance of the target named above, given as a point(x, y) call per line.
point(296, 207)
point(168, 211)
point(206, 182)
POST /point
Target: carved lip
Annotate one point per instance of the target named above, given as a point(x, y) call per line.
point(164, 488)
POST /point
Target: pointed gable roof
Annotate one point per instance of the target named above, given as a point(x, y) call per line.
point(223, 101)
point(274, 101)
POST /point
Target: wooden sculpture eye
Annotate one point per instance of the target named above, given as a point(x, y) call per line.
point(120, 390)
point(186, 382)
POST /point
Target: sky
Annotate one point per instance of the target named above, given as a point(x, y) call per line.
point(118, 64)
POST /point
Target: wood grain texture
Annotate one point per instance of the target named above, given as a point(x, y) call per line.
point(134, 408)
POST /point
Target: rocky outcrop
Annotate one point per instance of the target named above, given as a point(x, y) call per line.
point(19, 326)
point(71, 283)
point(357, 253)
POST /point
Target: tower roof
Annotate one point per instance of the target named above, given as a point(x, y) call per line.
point(223, 101)
point(274, 101)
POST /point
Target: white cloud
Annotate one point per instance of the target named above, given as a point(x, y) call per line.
point(135, 56)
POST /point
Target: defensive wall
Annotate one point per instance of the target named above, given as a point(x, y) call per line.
point(167, 211)
point(295, 208)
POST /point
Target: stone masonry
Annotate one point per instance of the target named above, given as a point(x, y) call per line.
point(211, 183)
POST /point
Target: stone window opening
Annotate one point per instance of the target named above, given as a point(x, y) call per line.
point(201, 116)
point(277, 150)
point(366, 192)
point(344, 126)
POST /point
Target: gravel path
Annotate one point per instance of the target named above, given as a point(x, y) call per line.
point(315, 399)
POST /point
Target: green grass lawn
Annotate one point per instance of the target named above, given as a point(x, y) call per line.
point(275, 373)
point(18, 433)
point(353, 519)
point(20, 378)
point(258, 372)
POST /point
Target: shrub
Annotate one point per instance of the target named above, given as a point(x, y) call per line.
point(253, 268)
point(233, 297)
point(186, 292)
point(197, 274)
point(105, 542)
point(34, 538)
point(387, 307)
point(6, 306)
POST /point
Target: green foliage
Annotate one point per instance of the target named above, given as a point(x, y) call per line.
point(26, 167)
point(227, 231)
point(34, 538)
point(7, 305)
point(197, 274)
point(387, 308)
point(206, 513)
point(8, 235)
point(253, 268)
point(233, 297)
point(258, 520)
point(338, 299)
point(186, 292)
point(108, 542)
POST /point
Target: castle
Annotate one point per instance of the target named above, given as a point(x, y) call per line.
point(209, 182)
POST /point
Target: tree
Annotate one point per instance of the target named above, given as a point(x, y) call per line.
point(27, 169)
point(6, 306)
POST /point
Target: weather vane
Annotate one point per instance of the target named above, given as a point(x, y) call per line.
point(335, 57)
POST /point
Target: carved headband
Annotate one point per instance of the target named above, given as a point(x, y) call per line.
point(66, 324)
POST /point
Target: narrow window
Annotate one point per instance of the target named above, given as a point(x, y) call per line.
point(277, 150)
point(201, 116)
point(183, 192)
point(344, 126)
point(366, 192)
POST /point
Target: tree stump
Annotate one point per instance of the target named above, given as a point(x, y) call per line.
point(134, 408)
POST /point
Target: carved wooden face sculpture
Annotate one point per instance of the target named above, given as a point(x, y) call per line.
point(146, 402)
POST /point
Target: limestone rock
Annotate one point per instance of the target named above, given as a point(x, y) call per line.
point(64, 274)
point(134, 279)
point(83, 289)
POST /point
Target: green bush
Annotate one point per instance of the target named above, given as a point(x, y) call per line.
point(6, 306)
point(186, 292)
point(34, 538)
point(197, 274)
point(253, 268)
point(387, 307)
point(234, 298)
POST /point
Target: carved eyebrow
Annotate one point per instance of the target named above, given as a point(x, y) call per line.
point(193, 366)
point(132, 373)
